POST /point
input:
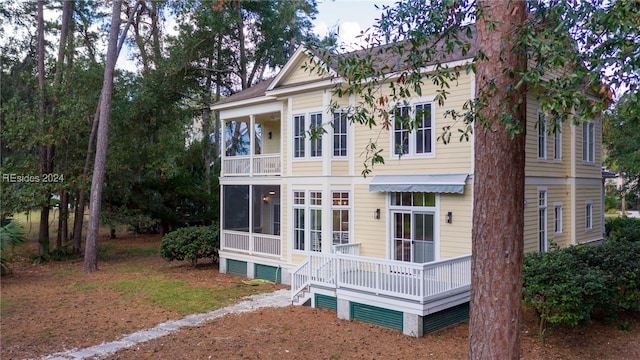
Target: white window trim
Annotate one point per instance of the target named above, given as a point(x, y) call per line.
point(333, 133)
point(307, 206)
point(307, 139)
point(588, 216)
point(436, 223)
point(542, 136)
point(411, 153)
point(588, 146)
point(543, 247)
point(342, 207)
point(557, 206)
point(557, 144)
point(314, 207)
point(297, 136)
point(318, 141)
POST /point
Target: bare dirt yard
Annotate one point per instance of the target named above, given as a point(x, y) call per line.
point(53, 307)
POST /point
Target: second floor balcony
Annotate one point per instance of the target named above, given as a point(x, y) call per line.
point(249, 165)
point(252, 146)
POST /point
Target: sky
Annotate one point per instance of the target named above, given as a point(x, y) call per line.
point(352, 17)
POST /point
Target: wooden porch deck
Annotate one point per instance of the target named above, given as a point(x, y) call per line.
point(409, 285)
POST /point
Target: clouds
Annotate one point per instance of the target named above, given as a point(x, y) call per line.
point(347, 31)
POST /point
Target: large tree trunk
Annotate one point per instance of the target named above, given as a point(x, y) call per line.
point(97, 181)
point(78, 219)
point(206, 128)
point(67, 10)
point(82, 194)
point(43, 233)
point(498, 213)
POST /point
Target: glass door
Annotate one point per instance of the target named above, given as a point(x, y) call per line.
point(413, 236)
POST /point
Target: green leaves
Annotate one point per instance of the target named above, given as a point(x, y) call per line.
point(191, 243)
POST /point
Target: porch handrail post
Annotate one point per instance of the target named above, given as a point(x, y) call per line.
point(378, 275)
point(421, 287)
point(336, 268)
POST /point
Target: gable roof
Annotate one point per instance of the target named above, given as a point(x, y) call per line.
point(252, 92)
point(389, 58)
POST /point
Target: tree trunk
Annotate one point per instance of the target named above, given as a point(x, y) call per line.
point(498, 212)
point(97, 181)
point(43, 233)
point(242, 52)
point(82, 194)
point(63, 215)
point(78, 219)
point(217, 141)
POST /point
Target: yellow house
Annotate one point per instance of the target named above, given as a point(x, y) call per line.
point(392, 248)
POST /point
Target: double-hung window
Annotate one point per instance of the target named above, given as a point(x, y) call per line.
point(557, 218)
point(340, 126)
point(413, 130)
point(542, 136)
point(307, 137)
point(557, 143)
point(315, 138)
point(588, 142)
point(298, 136)
point(588, 216)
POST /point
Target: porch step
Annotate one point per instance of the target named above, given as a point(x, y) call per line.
point(302, 298)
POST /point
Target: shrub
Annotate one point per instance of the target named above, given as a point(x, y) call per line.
point(561, 289)
point(569, 285)
point(623, 229)
point(191, 243)
point(620, 261)
point(11, 234)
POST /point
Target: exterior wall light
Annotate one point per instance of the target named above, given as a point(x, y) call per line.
point(449, 217)
point(376, 214)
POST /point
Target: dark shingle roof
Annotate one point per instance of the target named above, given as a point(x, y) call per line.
point(255, 91)
point(387, 58)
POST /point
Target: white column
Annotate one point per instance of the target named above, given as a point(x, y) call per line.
point(252, 140)
point(327, 151)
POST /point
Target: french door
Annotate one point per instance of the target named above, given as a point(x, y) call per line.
point(413, 236)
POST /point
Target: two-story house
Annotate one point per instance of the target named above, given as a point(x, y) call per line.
point(392, 248)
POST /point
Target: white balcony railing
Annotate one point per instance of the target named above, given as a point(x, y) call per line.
point(410, 281)
point(259, 244)
point(266, 164)
point(347, 249)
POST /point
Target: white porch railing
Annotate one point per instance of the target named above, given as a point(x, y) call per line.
point(261, 244)
point(410, 281)
point(347, 249)
point(266, 164)
point(236, 165)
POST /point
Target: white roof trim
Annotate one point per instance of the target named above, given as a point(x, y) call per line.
point(245, 102)
point(301, 51)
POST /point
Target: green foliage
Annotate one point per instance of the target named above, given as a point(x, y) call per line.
point(570, 285)
point(191, 243)
point(560, 288)
point(11, 234)
point(623, 229)
point(621, 137)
